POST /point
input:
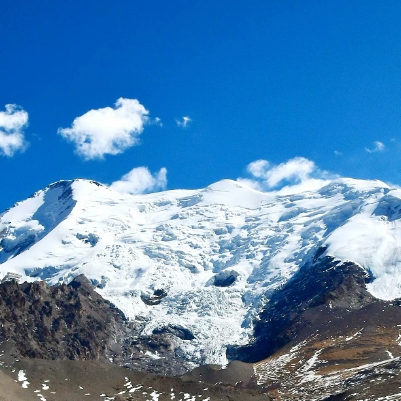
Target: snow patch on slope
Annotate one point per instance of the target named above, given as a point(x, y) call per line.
point(372, 238)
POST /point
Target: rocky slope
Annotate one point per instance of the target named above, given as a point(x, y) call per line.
point(324, 336)
point(66, 342)
point(72, 321)
point(49, 380)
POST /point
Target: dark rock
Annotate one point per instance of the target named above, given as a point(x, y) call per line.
point(225, 278)
point(284, 316)
point(343, 396)
point(74, 322)
point(177, 331)
point(90, 238)
point(154, 299)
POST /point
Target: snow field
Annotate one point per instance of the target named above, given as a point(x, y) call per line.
point(187, 243)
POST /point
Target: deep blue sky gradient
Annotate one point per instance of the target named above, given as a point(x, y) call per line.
point(260, 80)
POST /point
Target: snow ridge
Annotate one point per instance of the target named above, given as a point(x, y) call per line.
point(216, 254)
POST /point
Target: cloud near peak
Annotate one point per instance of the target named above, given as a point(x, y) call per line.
point(109, 130)
point(293, 176)
point(12, 123)
point(140, 180)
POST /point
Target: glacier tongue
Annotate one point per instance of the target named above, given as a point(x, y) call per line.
point(205, 260)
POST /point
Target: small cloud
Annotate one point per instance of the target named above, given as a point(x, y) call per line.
point(378, 147)
point(258, 168)
point(297, 169)
point(139, 180)
point(12, 123)
point(157, 121)
point(184, 122)
point(107, 130)
point(338, 153)
point(296, 175)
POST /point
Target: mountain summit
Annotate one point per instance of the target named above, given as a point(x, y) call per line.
point(202, 265)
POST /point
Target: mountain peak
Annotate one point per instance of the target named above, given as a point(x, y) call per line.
point(215, 255)
point(225, 185)
point(343, 185)
point(67, 183)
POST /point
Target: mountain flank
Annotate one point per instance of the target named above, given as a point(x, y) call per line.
point(66, 342)
point(72, 321)
point(325, 336)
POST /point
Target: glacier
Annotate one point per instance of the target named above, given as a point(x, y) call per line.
point(208, 259)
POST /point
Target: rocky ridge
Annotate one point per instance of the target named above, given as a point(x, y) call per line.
point(65, 341)
point(324, 336)
point(72, 321)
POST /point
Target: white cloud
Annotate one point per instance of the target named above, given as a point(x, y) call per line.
point(338, 153)
point(12, 123)
point(296, 175)
point(108, 130)
point(157, 121)
point(258, 168)
point(378, 147)
point(139, 180)
point(184, 122)
point(297, 170)
point(258, 185)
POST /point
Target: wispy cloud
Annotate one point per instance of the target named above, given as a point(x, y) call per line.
point(184, 122)
point(157, 121)
point(139, 180)
point(12, 123)
point(338, 153)
point(377, 147)
point(295, 175)
point(107, 130)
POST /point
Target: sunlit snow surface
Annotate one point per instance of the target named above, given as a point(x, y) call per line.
point(178, 241)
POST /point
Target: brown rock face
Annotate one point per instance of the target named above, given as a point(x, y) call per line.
point(60, 322)
point(64, 338)
point(74, 322)
point(287, 314)
point(323, 336)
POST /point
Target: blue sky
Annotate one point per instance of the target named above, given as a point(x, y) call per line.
point(257, 80)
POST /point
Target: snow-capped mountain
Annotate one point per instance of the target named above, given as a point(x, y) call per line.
point(205, 261)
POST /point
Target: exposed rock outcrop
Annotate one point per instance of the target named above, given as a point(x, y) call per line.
point(74, 322)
